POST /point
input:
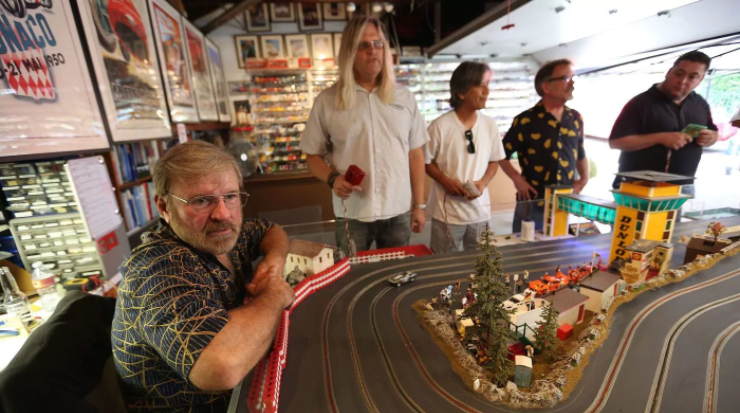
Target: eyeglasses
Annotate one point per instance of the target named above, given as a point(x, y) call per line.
point(566, 78)
point(377, 44)
point(205, 204)
point(469, 137)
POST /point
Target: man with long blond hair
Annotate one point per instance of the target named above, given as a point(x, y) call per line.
point(366, 120)
point(192, 318)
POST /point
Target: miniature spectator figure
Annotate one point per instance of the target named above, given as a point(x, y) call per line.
point(530, 352)
point(457, 286)
point(519, 284)
point(516, 278)
point(525, 275)
point(508, 280)
point(465, 302)
point(475, 297)
point(469, 294)
point(368, 121)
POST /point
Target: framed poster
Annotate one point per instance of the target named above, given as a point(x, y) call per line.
point(272, 47)
point(246, 49)
point(334, 11)
point(282, 12)
point(121, 43)
point(337, 44)
point(171, 48)
point(257, 20)
point(321, 46)
point(205, 100)
point(48, 102)
point(218, 80)
point(296, 46)
point(309, 16)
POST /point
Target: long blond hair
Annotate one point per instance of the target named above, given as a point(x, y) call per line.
point(348, 50)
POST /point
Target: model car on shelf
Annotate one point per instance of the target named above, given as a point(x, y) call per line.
point(402, 278)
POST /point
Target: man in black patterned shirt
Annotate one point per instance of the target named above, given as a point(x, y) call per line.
point(192, 319)
point(548, 141)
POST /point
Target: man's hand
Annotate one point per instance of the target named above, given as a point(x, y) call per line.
point(274, 288)
point(344, 189)
point(578, 185)
point(707, 137)
point(453, 187)
point(271, 265)
point(418, 219)
point(524, 189)
point(675, 140)
point(481, 186)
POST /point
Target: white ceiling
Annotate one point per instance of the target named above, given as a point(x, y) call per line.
point(539, 27)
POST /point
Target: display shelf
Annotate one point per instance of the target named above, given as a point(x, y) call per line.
point(36, 189)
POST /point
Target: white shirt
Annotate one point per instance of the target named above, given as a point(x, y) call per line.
point(375, 136)
point(448, 148)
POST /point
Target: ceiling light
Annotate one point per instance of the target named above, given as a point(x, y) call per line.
point(377, 8)
point(351, 7)
point(388, 7)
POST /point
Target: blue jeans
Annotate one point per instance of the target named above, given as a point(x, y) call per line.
point(387, 233)
point(528, 210)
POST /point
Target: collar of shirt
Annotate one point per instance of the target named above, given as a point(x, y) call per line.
point(539, 107)
point(659, 94)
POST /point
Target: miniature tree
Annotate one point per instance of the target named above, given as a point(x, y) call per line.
point(546, 334)
point(492, 319)
point(715, 229)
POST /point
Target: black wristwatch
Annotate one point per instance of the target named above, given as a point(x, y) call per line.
point(332, 177)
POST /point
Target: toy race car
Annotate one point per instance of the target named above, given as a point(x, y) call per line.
point(402, 278)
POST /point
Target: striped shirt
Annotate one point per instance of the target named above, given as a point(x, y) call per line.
point(172, 302)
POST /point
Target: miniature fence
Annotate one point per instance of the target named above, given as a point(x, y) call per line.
point(388, 254)
point(264, 393)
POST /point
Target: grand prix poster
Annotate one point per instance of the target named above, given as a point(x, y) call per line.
point(121, 41)
point(172, 58)
point(204, 97)
point(47, 99)
point(219, 81)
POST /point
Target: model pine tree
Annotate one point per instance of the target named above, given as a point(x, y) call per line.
point(546, 334)
point(492, 320)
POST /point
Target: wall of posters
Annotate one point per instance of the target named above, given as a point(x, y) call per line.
point(172, 61)
point(198, 64)
point(218, 80)
point(119, 34)
point(47, 104)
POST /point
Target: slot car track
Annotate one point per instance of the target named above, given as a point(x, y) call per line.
point(357, 346)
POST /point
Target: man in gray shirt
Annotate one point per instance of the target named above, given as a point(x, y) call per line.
point(366, 120)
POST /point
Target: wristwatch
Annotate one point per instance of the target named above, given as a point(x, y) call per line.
point(332, 177)
point(420, 206)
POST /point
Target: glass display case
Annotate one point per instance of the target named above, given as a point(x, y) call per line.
point(38, 188)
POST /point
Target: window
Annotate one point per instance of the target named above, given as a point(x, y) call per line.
point(327, 255)
point(305, 261)
point(291, 259)
point(320, 260)
point(668, 225)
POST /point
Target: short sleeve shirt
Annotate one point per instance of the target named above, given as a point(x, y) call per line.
point(548, 150)
point(375, 136)
point(172, 302)
point(448, 149)
point(653, 111)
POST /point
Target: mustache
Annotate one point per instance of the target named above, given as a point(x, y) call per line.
point(220, 225)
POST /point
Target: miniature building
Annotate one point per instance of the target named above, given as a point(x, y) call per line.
point(555, 220)
point(600, 287)
point(646, 209)
point(528, 312)
point(570, 304)
point(701, 245)
point(646, 259)
point(523, 371)
point(309, 257)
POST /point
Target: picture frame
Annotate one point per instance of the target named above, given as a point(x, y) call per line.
point(127, 74)
point(272, 47)
point(257, 18)
point(334, 11)
point(337, 43)
point(62, 116)
point(170, 42)
point(247, 48)
point(321, 46)
point(215, 66)
point(309, 16)
point(282, 11)
point(205, 98)
point(296, 46)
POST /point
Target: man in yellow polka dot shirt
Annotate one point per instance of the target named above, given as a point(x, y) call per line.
point(548, 141)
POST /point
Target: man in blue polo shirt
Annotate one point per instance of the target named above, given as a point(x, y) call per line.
point(649, 129)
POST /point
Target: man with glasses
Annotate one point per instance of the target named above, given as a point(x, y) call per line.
point(548, 141)
point(464, 148)
point(192, 318)
point(367, 121)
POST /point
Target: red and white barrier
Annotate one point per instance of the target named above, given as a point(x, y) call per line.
point(264, 394)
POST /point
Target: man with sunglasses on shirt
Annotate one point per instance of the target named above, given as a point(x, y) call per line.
point(464, 148)
point(192, 318)
point(548, 141)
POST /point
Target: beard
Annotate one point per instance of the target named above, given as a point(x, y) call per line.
point(212, 244)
